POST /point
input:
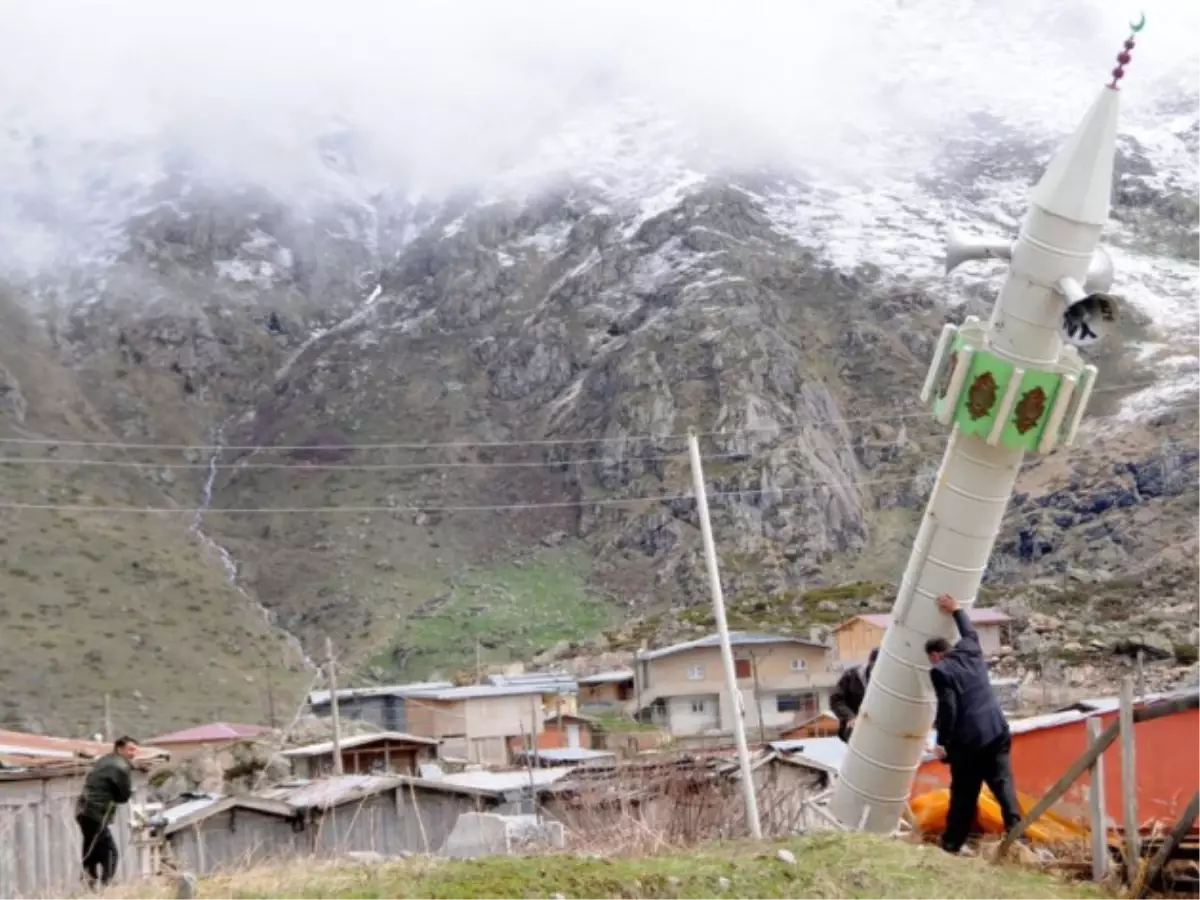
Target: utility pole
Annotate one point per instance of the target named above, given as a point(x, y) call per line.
point(762, 728)
point(109, 737)
point(333, 707)
point(270, 695)
point(718, 600)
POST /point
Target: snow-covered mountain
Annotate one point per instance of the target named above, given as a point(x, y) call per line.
point(240, 242)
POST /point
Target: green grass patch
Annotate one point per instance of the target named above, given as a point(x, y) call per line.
point(621, 724)
point(513, 610)
point(827, 865)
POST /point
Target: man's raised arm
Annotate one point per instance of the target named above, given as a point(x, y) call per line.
point(968, 638)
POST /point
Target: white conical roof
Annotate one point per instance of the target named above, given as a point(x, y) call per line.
point(1078, 182)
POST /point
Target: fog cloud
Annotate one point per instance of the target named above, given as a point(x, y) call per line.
point(446, 93)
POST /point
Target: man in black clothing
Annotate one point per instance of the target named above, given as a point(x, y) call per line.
point(107, 786)
point(972, 733)
point(847, 696)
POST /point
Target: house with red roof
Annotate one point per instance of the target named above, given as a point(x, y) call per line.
point(859, 635)
point(202, 737)
point(21, 748)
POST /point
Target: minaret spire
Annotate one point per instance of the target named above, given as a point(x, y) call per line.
point(1004, 387)
point(1124, 56)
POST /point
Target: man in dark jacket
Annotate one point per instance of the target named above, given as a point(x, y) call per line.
point(847, 696)
point(972, 733)
point(108, 785)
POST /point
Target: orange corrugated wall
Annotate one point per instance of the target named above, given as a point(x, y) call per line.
point(1168, 766)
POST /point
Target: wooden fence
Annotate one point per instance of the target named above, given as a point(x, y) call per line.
point(40, 843)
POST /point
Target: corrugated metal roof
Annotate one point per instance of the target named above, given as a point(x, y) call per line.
point(213, 731)
point(736, 638)
point(359, 741)
point(327, 792)
point(395, 690)
point(568, 754)
point(473, 691)
point(551, 680)
point(20, 743)
point(35, 752)
point(504, 782)
point(173, 814)
point(615, 675)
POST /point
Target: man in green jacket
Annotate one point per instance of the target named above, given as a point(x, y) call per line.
point(108, 785)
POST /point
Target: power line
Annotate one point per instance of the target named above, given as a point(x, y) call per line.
point(540, 442)
point(498, 507)
point(353, 467)
point(371, 467)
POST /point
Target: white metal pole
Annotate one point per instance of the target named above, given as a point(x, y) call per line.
point(718, 600)
point(1099, 808)
point(1129, 804)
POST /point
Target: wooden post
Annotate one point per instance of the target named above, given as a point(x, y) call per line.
point(1151, 872)
point(1098, 807)
point(762, 728)
point(333, 707)
point(270, 695)
point(1059, 788)
point(1141, 672)
point(1129, 781)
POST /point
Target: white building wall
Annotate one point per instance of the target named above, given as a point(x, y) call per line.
point(693, 715)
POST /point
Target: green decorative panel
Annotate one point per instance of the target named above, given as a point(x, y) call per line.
point(983, 391)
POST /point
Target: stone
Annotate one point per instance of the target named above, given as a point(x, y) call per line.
point(1029, 640)
point(786, 856)
point(827, 606)
point(1042, 623)
point(185, 886)
point(724, 884)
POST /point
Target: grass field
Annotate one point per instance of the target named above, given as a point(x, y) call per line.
point(827, 865)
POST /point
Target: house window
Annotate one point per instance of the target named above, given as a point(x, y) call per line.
point(806, 704)
point(799, 665)
point(695, 673)
point(699, 706)
point(741, 668)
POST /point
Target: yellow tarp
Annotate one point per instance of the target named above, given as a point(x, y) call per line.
point(930, 809)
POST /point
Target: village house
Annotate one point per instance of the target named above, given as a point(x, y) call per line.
point(477, 722)
point(559, 731)
point(610, 692)
point(473, 722)
point(382, 707)
point(386, 752)
point(783, 681)
point(214, 735)
point(859, 635)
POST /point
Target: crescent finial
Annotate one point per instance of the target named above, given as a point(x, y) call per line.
point(1139, 25)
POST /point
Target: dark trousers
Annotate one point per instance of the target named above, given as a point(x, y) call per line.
point(970, 770)
point(99, 851)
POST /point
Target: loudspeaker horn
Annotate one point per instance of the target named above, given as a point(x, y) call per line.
point(960, 250)
point(1090, 320)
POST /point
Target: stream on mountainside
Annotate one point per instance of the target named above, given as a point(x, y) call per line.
point(227, 560)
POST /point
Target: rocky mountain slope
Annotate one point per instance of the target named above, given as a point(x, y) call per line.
point(439, 432)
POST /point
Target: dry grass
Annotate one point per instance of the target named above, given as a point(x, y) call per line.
point(828, 865)
point(128, 605)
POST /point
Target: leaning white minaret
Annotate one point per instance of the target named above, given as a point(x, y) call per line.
point(1004, 387)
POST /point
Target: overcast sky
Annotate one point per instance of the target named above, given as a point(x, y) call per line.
point(442, 90)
